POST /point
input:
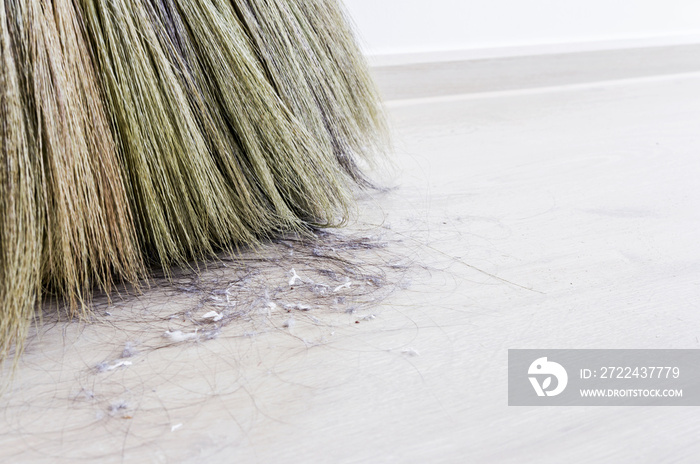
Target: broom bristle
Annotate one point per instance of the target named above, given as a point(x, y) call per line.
point(20, 238)
point(311, 57)
point(157, 131)
point(345, 67)
point(87, 229)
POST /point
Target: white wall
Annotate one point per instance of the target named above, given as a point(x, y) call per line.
point(389, 27)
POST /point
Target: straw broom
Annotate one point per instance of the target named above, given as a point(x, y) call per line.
point(145, 133)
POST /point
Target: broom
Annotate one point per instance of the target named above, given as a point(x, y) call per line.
point(140, 134)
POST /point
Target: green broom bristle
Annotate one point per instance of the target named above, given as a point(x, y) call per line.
point(157, 131)
point(88, 233)
point(311, 57)
point(364, 123)
point(20, 237)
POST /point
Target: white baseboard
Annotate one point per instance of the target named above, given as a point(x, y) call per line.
point(455, 76)
point(531, 50)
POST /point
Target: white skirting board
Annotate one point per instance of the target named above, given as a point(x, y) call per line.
point(553, 48)
point(472, 72)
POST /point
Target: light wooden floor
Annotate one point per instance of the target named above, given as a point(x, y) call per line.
point(553, 217)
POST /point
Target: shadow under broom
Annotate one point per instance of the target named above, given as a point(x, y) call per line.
point(139, 133)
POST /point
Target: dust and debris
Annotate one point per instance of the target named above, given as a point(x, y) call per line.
point(84, 394)
point(213, 315)
point(211, 334)
point(410, 352)
point(330, 275)
point(117, 406)
point(220, 302)
point(347, 284)
point(294, 278)
point(296, 307)
point(319, 289)
point(105, 366)
point(129, 351)
point(179, 336)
